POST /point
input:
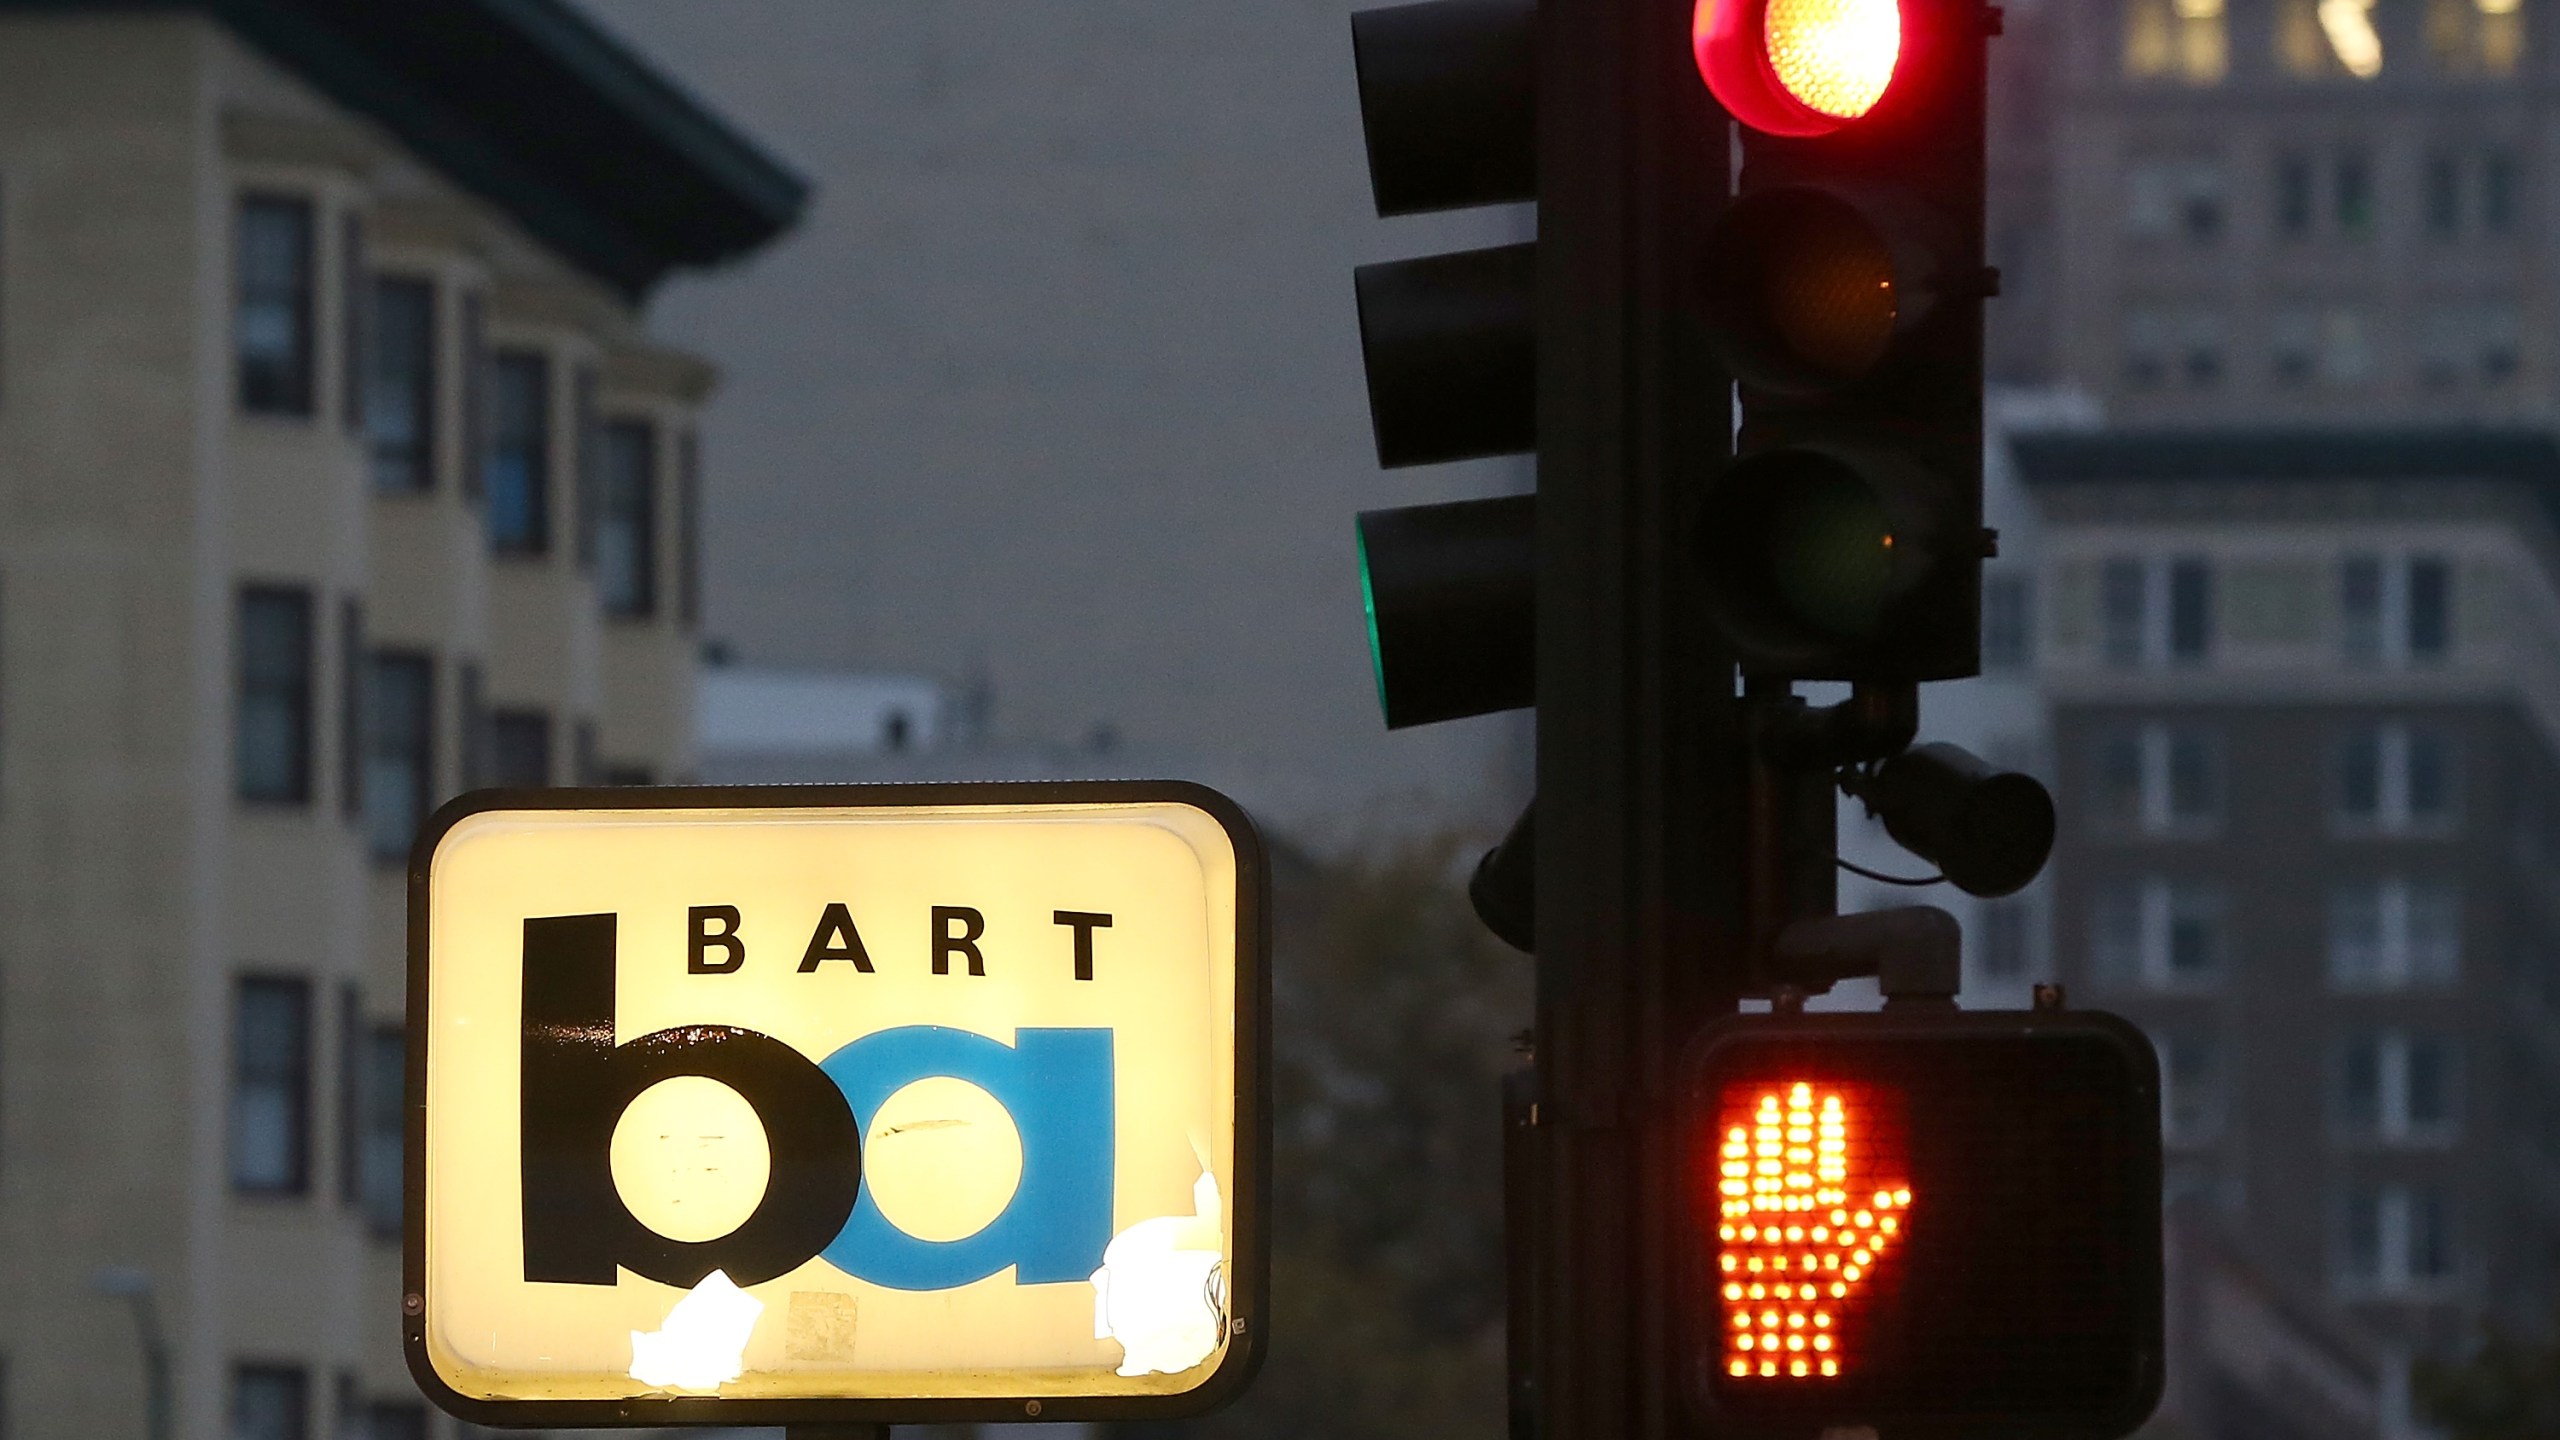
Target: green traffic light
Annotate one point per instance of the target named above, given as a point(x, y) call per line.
point(1369, 608)
point(1830, 554)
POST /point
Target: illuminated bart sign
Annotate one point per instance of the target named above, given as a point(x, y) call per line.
point(1934, 1224)
point(808, 1105)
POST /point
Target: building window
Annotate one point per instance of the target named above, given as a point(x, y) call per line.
point(2192, 1084)
point(689, 529)
point(2394, 933)
point(2323, 39)
point(2476, 37)
point(473, 389)
point(2327, 345)
point(2161, 779)
point(2293, 195)
point(2182, 40)
point(382, 1072)
point(271, 1086)
point(400, 393)
point(2394, 1238)
point(2351, 194)
point(2443, 196)
point(273, 326)
point(2008, 622)
point(2175, 198)
point(2184, 344)
point(395, 1420)
point(399, 777)
point(520, 748)
point(2499, 177)
point(627, 541)
point(270, 1402)
point(518, 472)
point(354, 322)
point(274, 740)
point(2156, 611)
point(2158, 934)
point(351, 717)
point(2397, 1087)
point(587, 473)
point(2397, 779)
point(471, 714)
point(2473, 344)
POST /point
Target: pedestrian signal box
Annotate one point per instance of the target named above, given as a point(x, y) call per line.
point(1934, 1224)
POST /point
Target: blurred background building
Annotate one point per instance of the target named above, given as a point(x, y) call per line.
point(338, 473)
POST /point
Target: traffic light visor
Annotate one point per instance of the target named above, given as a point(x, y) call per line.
point(1797, 67)
point(1808, 293)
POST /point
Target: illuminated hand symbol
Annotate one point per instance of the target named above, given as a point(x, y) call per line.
point(1803, 1223)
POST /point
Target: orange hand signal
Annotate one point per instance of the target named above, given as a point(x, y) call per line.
point(1803, 1224)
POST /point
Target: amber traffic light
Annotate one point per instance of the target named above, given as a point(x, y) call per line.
point(1934, 1223)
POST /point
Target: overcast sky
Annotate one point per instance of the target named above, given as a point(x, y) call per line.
point(1060, 379)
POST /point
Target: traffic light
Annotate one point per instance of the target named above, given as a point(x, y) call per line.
point(1449, 344)
point(1843, 290)
point(1929, 1222)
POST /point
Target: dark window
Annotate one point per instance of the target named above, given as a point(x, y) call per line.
point(2360, 776)
point(2360, 1084)
point(2427, 1103)
point(350, 1099)
point(588, 469)
point(473, 717)
point(272, 329)
point(2354, 194)
point(395, 1420)
point(2360, 608)
point(2195, 776)
point(519, 467)
point(400, 406)
point(354, 323)
point(2431, 774)
point(2120, 786)
point(2190, 610)
point(627, 542)
point(399, 772)
point(274, 741)
point(520, 748)
point(2430, 619)
point(383, 1073)
point(2498, 175)
point(2293, 195)
point(474, 388)
point(270, 1402)
point(2191, 1104)
point(2120, 586)
point(271, 1086)
point(2195, 935)
point(2444, 196)
point(351, 707)
point(689, 529)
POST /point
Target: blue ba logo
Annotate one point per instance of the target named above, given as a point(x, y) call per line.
point(1056, 1084)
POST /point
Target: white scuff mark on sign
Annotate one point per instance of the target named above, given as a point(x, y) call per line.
point(703, 1344)
point(1156, 1292)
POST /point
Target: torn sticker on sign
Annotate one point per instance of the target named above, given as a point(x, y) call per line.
point(703, 1344)
point(1157, 1291)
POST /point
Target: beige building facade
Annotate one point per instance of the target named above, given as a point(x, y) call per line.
point(338, 474)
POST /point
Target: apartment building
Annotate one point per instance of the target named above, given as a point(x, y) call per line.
point(338, 473)
point(2281, 211)
point(2305, 704)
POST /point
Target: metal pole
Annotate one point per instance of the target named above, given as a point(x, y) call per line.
point(1637, 910)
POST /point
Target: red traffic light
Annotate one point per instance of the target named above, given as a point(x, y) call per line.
point(1938, 1224)
point(1797, 67)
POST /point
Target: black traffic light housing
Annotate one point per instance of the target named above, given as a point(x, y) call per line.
point(1844, 290)
point(1939, 1224)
